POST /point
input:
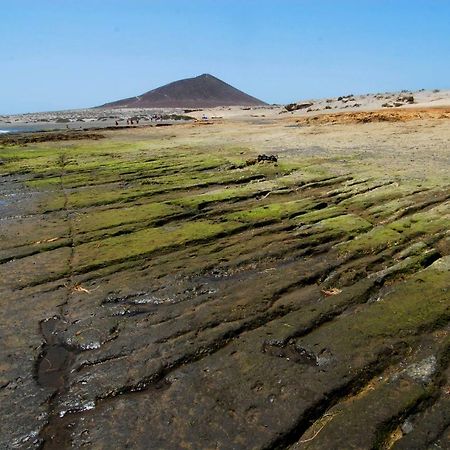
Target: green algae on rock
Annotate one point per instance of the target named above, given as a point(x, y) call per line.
point(303, 304)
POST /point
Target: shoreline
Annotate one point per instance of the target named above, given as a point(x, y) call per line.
point(101, 118)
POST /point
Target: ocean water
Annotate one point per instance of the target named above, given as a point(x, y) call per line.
point(26, 128)
point(47, 126)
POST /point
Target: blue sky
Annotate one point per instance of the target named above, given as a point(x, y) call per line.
point(61, 54)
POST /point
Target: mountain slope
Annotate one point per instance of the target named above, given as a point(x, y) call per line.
point(204, 91)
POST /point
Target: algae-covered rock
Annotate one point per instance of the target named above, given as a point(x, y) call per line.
point(159, 292)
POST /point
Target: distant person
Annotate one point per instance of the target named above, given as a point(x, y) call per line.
point(117, 123)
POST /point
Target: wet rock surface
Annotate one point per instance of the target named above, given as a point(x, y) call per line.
point(159, 293)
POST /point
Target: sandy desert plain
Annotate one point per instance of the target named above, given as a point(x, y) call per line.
point(160, 289)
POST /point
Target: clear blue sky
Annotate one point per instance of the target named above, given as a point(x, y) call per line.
point(61, 54)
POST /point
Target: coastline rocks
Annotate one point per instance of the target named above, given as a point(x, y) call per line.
point(401, 100)
point(261, 159)
point(267, 158)
point(406, 99)
point(296, 106)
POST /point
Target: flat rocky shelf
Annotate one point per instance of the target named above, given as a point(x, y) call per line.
point(162, 289)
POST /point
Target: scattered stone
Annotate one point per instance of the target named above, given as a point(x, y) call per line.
point(401, 100)
point(406, 98)
point(296, 106)
point(406, 427)
point(267, 158)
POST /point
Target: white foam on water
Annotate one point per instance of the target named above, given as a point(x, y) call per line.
point(4, 131)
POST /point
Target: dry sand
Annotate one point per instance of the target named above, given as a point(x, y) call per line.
point(101, 117)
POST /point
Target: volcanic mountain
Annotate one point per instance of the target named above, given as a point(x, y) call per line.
point(204, 91)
